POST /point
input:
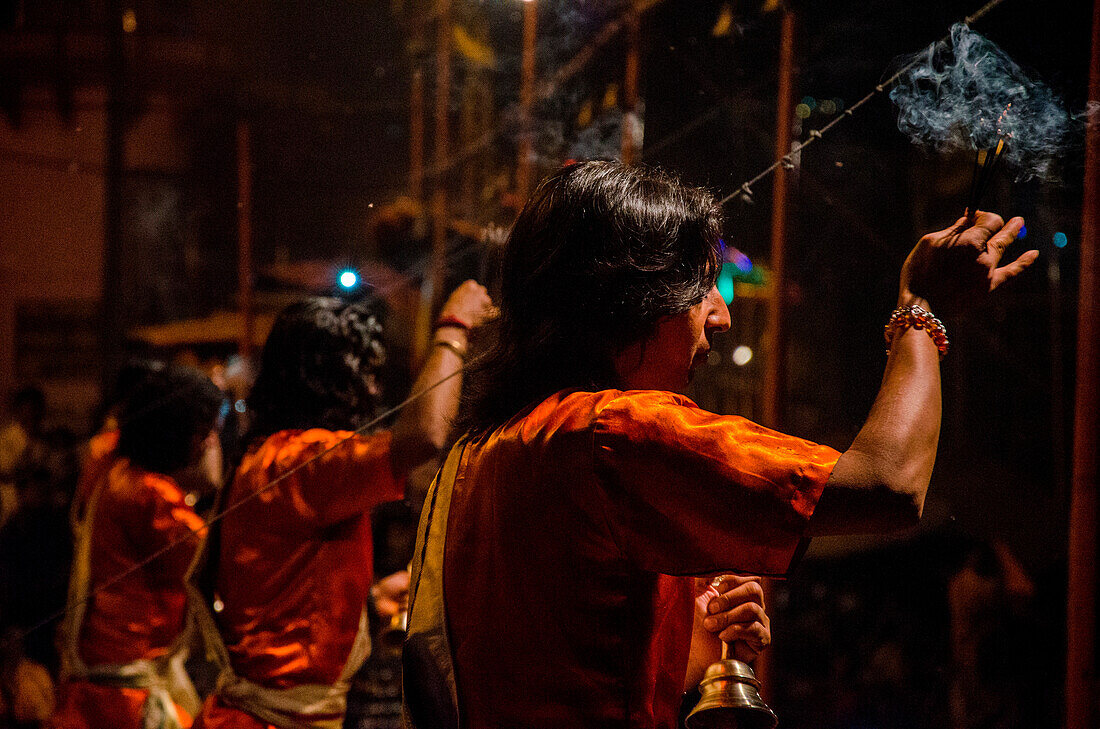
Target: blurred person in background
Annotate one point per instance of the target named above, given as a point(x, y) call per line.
point(552, 581)
point(35, 555)
point(28, 407)
point(281, 587)
point(122, 652)
point(991, 601)
point(26, 688)
point(35, 540)
point(99, 454)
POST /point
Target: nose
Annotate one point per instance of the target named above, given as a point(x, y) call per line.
point(718, 314)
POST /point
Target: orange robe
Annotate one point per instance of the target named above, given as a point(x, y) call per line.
point(569, 540)
point(141, 615)
point(294, 567)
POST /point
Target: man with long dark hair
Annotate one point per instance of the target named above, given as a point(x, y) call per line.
point(121, 648)
point(551, 586)
point(282, 584)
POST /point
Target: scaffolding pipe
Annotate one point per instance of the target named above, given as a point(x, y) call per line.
point(416, 134)
point(114, 169)
point(244, 240)
point(775, 363)
point(1081, 676)
point(526, 102)
point(631, 125)
point(432, 290)
point(776, 360)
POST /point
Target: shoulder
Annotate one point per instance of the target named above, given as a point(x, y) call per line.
point(293, 441)
point(102, 445)
point(651, 408)
point(138, 488)
point(656, 421)
point(581, 409)
point(157, 485)
point(288, 449)
point(564, 411)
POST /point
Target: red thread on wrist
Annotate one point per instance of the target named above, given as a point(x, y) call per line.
point(450, 320)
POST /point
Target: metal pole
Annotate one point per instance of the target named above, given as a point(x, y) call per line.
point(1081, 677)
point(442, 117)
point(114, 169)
point(775, 366)
point(416, 135)
point(433, 283)
point(244, 239)
point(467, 132)
point(526, 101)
point(630, 88)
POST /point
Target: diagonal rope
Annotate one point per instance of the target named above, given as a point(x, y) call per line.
point(744, 192)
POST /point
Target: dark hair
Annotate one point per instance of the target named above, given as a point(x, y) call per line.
point(29, 396)
point(597, 256)
point(126, 379)
point(130, 375)
point(163, 414)
point(315, 366)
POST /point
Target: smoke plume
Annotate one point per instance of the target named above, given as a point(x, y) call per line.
point(965, 93)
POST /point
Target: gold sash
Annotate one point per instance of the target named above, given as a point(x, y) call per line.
point(165, 678)
point(430, 693)
point(309, 706)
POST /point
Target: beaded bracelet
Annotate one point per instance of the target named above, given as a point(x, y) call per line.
point(916, 317)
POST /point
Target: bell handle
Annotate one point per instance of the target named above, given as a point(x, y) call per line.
point(728, 654)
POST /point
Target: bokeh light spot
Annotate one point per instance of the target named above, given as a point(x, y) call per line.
point(348, 279)
point(725, 285)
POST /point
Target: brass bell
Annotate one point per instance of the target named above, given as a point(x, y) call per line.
point(730, 698)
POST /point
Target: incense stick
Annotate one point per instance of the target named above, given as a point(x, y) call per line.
point(985, 162)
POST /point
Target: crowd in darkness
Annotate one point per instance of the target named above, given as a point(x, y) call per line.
point(40, 467)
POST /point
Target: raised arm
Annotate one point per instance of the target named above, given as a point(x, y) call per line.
point(422, 427)
point(880, 482)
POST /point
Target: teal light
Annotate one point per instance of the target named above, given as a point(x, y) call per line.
point(348, 279)
point(725, 282)
point(1060, 240)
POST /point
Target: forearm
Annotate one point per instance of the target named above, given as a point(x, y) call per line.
point(880, 482)
point(423, 426)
